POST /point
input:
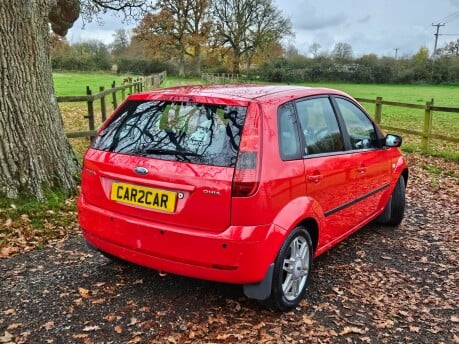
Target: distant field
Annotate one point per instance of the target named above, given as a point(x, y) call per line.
point(443, 123)
point(74, 83)
point(414, 94)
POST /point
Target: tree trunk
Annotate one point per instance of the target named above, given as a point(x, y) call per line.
point(236, 60)
point(181, 71)
point(197, 59)
point(35, 154)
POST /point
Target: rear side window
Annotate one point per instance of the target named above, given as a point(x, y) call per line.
point(289, 143)
point(177, 131)
point(359, 127)
point(319, 126)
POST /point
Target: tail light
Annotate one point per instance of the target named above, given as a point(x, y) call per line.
point(247, 172)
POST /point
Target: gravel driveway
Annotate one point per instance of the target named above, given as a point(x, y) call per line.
point(381, 285)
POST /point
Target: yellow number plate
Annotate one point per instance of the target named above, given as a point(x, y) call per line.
point(144, 196)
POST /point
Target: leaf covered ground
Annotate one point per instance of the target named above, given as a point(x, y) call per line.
point(380, 285)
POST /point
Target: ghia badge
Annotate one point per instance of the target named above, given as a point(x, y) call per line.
point(141, 170)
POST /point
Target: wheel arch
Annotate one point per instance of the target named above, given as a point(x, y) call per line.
point(312, 227)
point(405, 174)
point(310, 217)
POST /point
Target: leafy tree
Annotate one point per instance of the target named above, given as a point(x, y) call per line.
point(177, 28)
point(35, 154)
point(243, 26)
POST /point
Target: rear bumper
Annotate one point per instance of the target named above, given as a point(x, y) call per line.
point(240, 254)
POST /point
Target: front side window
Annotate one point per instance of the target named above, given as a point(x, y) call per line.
point(177, 131)
point(360, 129)
point(319, 126)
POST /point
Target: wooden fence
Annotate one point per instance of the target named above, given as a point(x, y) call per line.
point(113, 96)
point(221, 78)
point(428, 108)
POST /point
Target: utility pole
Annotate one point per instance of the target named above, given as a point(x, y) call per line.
point(396, 52)
point(438, 25)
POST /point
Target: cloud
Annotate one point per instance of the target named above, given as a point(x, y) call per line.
point(364, 20)
point(322, 23)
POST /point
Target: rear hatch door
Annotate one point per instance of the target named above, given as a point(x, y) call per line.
point(167, 161)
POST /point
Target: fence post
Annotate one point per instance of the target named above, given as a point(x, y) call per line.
point(114, 102)
point(103, 105)
point(428, 114)
point(378, 110)
point(90, 115)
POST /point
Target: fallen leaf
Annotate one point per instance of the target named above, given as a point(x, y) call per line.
point(386, 324)
point(79, 301)
point(454, 319)
point(307, 320)
point(118, 329)
point(8, 251)
point(13, 326)
point(133, 321)
point(91, 328)
point(259, 326)
point(10, 311)
point(48, 326)
point(6, 338)
point(110, 318)
point(98, 301)
point(171, 339)
point(84, 292)
point(352, 329)
point(136, 339)
point(414, 329)
point(80, 336)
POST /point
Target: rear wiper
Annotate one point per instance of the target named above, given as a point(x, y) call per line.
point(163, 151)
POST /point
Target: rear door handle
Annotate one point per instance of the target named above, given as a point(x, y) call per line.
point(314, 178)
point(361, 169)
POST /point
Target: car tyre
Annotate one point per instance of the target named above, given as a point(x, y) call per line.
point(395, 208)
point(291, 270)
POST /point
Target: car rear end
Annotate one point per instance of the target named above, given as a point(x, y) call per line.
point(159, 180)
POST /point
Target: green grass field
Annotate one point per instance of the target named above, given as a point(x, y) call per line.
point(74, 83)
point(443, 123)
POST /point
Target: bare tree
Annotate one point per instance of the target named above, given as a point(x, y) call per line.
point(342, 52)
point(35, 154)
point(314, 49)
point(243, 26)
point(120, 43)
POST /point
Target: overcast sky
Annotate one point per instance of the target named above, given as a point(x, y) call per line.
point(369, 26)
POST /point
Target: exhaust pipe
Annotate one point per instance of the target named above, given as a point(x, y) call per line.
point(162, 274)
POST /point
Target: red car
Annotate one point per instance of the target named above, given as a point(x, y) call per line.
point(242, 184)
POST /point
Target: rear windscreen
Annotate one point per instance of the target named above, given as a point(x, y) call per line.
point(177, 131)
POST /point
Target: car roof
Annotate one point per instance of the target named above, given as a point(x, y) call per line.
point(236, 93)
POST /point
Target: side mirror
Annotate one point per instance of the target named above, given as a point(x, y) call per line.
point(393, 140)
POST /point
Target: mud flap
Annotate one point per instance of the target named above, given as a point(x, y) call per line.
point(261, 290)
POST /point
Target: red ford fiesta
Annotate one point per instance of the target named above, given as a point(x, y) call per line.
point(241, 184)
